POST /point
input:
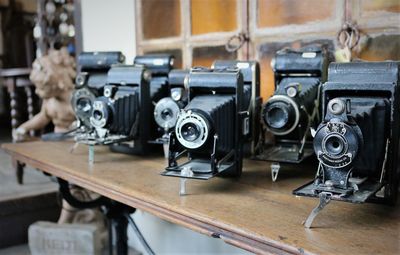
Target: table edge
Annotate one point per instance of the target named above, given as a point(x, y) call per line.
point(242, 240)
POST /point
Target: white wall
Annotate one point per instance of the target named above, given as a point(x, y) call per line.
point(110, 25)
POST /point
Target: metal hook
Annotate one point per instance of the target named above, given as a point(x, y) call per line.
point(241, 37)
point(348, 35)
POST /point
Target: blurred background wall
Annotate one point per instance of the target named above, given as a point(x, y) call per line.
point(109, 25)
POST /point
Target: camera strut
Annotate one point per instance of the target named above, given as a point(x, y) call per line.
point(324, 200)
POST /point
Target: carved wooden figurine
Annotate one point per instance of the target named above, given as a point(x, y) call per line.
point(53, 76)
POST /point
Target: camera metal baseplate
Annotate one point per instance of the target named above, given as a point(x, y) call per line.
point(284, 154)
point(364, 192)
point(201, 169)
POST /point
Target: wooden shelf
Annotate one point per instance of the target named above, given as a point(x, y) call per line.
point(251, 212)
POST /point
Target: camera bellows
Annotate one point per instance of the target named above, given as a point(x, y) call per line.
point(217, 112)
point(209, 129)
point(126, 115)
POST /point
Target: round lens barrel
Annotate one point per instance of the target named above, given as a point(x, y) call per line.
point(190, 132)
point(277, 117)
point(281, 115)
point(335, 145)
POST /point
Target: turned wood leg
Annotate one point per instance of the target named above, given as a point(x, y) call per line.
point(29, 101)
point(19, 170)
point(11, 86)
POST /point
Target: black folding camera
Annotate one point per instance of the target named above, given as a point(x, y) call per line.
point(157, 68)
point(357, 143)
point(167, 109)
point(294, 107)
point(252, 101)
point(123, 112)
point(90, 82)
point(211, 127)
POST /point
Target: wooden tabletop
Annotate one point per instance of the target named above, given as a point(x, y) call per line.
point(251, 212)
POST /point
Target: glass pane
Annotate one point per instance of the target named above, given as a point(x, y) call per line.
point(384, 47)
point(381, 5)
point(161, 18)
point(177, 53)
point(206, 56)
point(274, 13)
point(267, 52)
point(213, 16)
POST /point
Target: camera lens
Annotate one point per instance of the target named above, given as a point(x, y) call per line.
point(334, 145)
point(337, 144)
point(166, 114)
point(281, 115)
point(84, 105)
point(97, 115)
point(277, 117)
point(190, 132)
point(192, 129)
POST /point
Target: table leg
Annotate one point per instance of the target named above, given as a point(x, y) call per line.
point(29, 102)
point(115, 212)
point(19, 168)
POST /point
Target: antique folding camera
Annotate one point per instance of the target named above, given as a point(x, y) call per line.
point(123, 112)
point(167, 109)
point(90, 82)
point(251, 85)
point(357, 142)
point(294, 107)
point(210, 129)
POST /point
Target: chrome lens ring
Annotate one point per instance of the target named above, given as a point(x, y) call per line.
point(100, 114)
point(166, 113)
point(83, 111)
point(197, 121)
point(291, 102)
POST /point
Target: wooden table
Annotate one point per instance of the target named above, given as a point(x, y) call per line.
point(251, 213)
